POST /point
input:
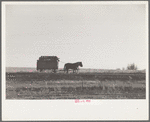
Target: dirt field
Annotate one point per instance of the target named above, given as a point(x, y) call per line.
point(34, 85)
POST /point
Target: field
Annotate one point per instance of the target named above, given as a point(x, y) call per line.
point(87, 84)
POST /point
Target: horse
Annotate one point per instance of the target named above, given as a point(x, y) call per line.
point(73, 66)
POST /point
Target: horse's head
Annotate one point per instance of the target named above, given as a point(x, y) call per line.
point(80, 64)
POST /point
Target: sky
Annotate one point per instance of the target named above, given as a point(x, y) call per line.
point(103, 36)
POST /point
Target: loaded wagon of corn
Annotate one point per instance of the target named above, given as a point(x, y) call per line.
point(47, 63)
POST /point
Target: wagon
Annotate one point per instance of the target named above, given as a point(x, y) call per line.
point(47, 63)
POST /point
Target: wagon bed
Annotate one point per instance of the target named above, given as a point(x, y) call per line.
point(47, 63)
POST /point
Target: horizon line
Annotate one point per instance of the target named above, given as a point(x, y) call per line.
point(80, 67)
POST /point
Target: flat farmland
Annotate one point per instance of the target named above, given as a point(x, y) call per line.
point(84, 85)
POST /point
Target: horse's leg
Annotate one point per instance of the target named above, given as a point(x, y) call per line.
point(64, 70)
point(75, 70)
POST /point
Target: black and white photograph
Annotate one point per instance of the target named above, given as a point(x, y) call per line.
point(80, 53)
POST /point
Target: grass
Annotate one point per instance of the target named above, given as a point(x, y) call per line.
point(82, 70)
point(85, 85)
point(112, 89)
point(26, 76)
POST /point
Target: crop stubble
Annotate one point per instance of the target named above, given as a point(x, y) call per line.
point(75, 86)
